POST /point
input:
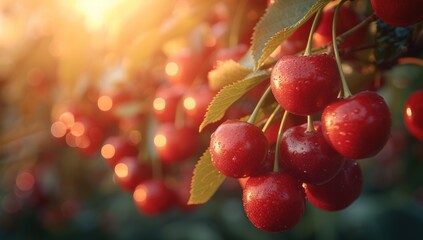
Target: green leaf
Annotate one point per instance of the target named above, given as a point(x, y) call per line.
point(226, 73)
point(230, 94)
point(281, 19)
point(205, 181)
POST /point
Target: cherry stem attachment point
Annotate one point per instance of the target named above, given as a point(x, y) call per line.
point(310, 125)
point(345, 90)
point(278, 140)
point(253, 115)
point(271, 117)
point(312, 30)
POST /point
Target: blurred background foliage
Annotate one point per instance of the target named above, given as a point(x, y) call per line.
point(57, 55)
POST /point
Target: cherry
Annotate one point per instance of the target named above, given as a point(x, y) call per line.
point(117, 147)
point(195, 104)
point(130, 171)
point(274, 201)
point(166, 100)
point(181, 68)
point(339, 192)
point(295, 80)
point(347, 19)
point(265, 167)
point(413, 114)
point(238, 148)
point(175, 144)
point(273, 129)
point(398, 13)
point(153, 197)
point(308, 156)
point(359, 126)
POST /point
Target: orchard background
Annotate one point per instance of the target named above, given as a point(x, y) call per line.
point(98, 97)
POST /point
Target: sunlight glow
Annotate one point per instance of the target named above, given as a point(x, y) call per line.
point(95, 11)
point(121, 170)
point(189, 103)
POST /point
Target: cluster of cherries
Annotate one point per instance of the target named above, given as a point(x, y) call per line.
point(317, 160)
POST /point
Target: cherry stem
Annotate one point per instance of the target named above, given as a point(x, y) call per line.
point(278, 140)
point(345, 90)
point(253, 115)
point(271, 117)
point(312, 30)
point(310, 125)
point(357, 27)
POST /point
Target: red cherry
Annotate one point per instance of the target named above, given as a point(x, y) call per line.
point(166, 100)
point(274, 202)
point(347, 19)
point(413, 114)
point(265, 167)
point(238, 148)
point(273, 129)
point(295, 80)
point(175, 144)
point(359, 126)
point(181, 68)
point(153, 197)
point(196, 102)
point(398, 13)
point(130, 171)
point(308, 156)
point(117, 147)
point(339, 192)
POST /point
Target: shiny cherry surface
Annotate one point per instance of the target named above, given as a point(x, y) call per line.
point(398, 13)
point(413, 114)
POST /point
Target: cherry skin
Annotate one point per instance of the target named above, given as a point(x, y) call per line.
point(346, 20)
point(196, 102)
point(238, 148)
point(413, 114)
point(398, 13)
point(295, 80)
point(175, 144)
point(307, 155)
point(273, 129)
point(339, 192)
point(265, 167)
point(359, 126)
point(153, 197)
point(166, 100)
point(274, 202)
point(183, 67)
point(129, 172)
point(117, 147)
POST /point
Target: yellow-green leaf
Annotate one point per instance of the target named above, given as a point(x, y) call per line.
point(205, 181)
point(226, 73)
point(281, 19)
point(230, 94)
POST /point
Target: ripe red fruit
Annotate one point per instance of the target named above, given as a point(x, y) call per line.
point(359, 126)
point(339, 192)
point(265, 167)
point(273, 129)
point(130, 171)
point(195, 104)
point(175, 144)
point(117, 147)
point(413, 114)
point(398, 13)
point(153, 197)
point(307, 155)
point(238, 148)
point(274, 202)
point(181, 68)
point(304, 85)
point(166, 102)
point(346, 20)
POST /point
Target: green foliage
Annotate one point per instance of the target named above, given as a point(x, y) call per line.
point(281, 19)
point(230, 94)
point(206, 180)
